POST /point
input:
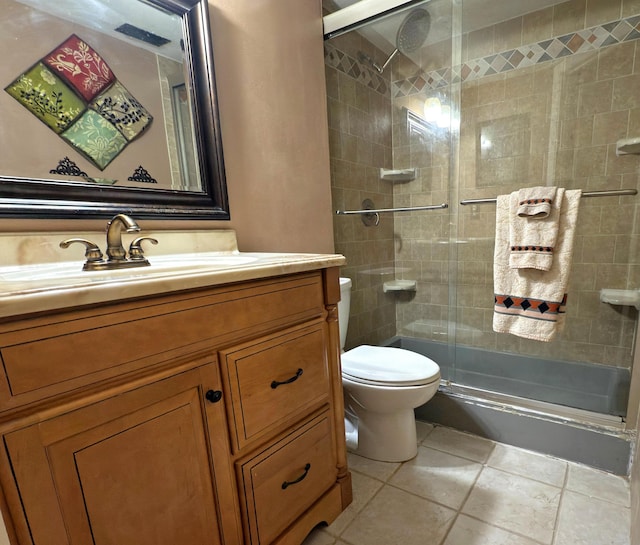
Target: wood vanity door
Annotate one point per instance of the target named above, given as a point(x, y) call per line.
point(135, 469)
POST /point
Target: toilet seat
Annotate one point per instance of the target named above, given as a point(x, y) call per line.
point(388, 366)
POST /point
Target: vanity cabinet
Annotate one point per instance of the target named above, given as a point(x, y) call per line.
point(204, 417)
point(132, 469)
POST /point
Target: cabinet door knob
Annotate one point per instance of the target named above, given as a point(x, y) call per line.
point(213, 395)
point(289, 483)
point(295, 377)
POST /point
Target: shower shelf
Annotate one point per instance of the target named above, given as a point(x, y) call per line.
point(629, 298)
point(628, 146)
point(398, 176)
point(399, 285)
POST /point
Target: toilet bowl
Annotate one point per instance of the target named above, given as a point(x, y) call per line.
point(382, 385)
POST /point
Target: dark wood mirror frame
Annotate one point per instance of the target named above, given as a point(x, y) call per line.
point(39, 198)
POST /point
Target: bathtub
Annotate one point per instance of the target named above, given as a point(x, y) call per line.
point(592, 387)
point(570, 410)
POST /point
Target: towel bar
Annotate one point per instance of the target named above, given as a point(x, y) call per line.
point(603, 193)
point(381, 210)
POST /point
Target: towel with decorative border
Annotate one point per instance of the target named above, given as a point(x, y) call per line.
point(530, 303)
point(532, 237)
point(536, 202)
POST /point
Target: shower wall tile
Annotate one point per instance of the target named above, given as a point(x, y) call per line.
point(359, 114)
point(480, 42)
point(508, 35)
point(537, 25)
point(603, 11)
point(614, 62)
point(568, 16)
point(625, 92)
point(630, 7)
point(610, 126)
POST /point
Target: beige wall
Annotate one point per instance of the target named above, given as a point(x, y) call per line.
point(270, 74)
point(271, 88)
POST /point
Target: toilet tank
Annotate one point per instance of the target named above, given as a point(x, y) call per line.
point(343, 309)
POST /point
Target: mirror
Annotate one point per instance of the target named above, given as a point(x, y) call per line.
point(109, 106)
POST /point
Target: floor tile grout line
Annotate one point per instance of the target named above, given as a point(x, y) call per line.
point(359, 511)
point(600, 498)
point(452, 453)
point(385, 480)
point(475, 481)
point(459, 511)
point(446, 534)
point(487, 464)
point(507, 530)
point(415, 495)
point(520, 475)
point(556, 522)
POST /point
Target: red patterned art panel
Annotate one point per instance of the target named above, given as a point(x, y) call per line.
point(81, 67)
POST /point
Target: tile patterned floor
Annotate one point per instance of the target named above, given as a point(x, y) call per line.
point(465, 490)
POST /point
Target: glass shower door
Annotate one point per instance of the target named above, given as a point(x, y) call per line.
point(548, 107)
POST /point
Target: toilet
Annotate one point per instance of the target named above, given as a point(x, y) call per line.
point(382, 386)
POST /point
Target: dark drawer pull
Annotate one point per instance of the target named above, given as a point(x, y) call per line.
point(287, 483)
point(275, 383)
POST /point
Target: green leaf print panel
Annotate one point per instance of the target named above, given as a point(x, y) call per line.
point(47, 97)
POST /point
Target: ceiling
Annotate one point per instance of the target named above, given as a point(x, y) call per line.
point(106, 15)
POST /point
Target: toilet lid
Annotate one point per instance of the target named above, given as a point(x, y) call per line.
point(388, 365)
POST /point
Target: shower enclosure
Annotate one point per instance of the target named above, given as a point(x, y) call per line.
point(495, 97)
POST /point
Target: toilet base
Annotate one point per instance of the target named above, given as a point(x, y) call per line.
point(398, 429)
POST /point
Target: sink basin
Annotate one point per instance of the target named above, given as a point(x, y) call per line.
point(37, 275)
point(52, 274)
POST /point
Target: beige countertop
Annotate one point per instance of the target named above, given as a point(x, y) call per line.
point(36, 275)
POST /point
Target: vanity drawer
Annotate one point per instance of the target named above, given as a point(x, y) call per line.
point(274, 380)
point(50, 355)
point(284, 481)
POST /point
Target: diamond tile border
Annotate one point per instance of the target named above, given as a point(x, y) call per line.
point(591, 39)
point(359, 71)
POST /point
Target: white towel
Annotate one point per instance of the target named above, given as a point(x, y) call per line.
point(530, 303)
point(535, 202)
point(533, 239)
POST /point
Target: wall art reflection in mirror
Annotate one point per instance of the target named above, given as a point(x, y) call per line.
point(109, 105)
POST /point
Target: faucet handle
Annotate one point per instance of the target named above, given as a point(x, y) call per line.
point(92, 252)
point(135, 249)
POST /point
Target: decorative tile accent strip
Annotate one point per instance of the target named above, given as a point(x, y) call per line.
point(360, 72)
point(590, 39)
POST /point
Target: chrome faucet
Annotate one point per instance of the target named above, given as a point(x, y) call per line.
point(116, 254)
point(115, 250)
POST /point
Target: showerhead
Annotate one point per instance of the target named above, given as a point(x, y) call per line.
point(413, 31)
point(411, 35)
